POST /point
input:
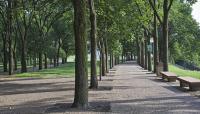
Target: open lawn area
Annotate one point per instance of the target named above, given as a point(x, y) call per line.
point(182, 72)
point(66, 70)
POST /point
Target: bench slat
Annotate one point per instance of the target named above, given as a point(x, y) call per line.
point(189, 79)
point(168, 73)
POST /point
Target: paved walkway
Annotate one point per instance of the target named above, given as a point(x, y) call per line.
point(137, 91)
point(128, 89)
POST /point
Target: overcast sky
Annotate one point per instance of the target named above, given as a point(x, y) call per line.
point(196, 11)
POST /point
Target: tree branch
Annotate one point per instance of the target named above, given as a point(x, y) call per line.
point(155, 11)
point(170, 5)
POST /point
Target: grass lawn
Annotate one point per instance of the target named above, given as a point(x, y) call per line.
point(66, 70)
point(182, 72)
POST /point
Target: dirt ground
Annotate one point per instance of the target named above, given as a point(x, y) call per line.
point(128, 89)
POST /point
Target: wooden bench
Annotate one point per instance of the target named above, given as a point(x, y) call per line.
point(171, 77)
point(192, 83)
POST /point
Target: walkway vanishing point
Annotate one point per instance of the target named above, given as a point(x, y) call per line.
point(128, 89)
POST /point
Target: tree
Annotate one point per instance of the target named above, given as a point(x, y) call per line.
point(93, 41)
point(81, 73)
point(9, 35)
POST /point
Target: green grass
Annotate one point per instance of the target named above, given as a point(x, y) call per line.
point(182, 72)
point(66, 70)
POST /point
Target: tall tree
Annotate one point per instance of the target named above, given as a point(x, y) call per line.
point(164, 22)
point(93, 41)
point(9, 35)
point(81, 73)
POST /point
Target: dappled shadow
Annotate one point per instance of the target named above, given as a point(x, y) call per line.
point(103, 88)
point(20, 88)
point(159, 105)
point(176, 89)
point(25, 79)
point(99, 106)
point(130, 87)
point(150, 73)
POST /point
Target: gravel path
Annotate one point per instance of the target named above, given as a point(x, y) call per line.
point(128, 89)
point(137, 91)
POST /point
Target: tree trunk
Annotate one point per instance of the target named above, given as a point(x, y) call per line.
point(100, 67)
point(146, 51)
point(58, 53)
point(63, 60)
point(15, 60)
point(149, 53)
point(93, 33)
point(81, 68)
point(160, 44)
point(103, 58)
point(23, 58)
point(142, 54)
point(54, 61)
point(165, 35)
point(45, 61)
point(5, 56)
point(106, 55)
point(110, 60)
point(34, 60)
point(138, 52)
point(156, 56)
point(9, 36)
point(113, 60)
point(40, 61)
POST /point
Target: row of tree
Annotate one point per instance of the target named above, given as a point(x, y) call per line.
point(123, 25)
point(35, 33)
point(40, 32)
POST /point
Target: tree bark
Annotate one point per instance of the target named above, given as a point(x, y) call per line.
point(100, 67)
point(9, 36)
point(103, 58)
point(106, 55)
point(93, 41)
point(138, 51)
point(81, 68)
point(155, 36)
point(34, 60)
point(142, 54)
point(146, 52)
point(23, 58)
point(45, 61)
point(149, 53)
point(110, 60)
point(15, 60)
point(5, 56)
point(54, 61)
point(58, 51)
point(165, 35)
point(40, 61)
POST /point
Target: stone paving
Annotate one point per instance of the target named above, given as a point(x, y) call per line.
point(137, 91)
point(128, 89)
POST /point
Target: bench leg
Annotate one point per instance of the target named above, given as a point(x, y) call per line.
point(191, 88)
point(182, 84)
point(171, 80)
point(163, 78)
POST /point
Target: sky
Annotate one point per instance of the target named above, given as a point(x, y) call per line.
point(196, 11)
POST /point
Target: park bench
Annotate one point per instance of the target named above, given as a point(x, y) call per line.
point(192, 83)
point(171, 77)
